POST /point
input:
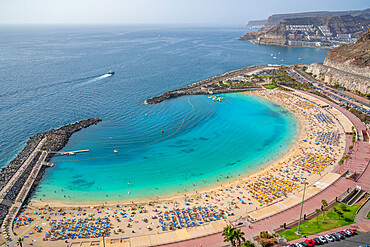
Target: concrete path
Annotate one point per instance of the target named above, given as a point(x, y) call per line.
point(363, 212)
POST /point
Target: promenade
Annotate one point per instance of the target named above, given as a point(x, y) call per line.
point(8, 194)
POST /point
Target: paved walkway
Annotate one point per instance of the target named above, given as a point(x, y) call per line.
point(363, 212)
point(7, 227)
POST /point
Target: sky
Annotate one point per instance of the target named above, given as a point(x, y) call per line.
point(197, 12)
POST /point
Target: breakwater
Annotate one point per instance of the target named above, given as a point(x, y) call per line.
point(207, 86)
point(14, 175)
point(56, 139)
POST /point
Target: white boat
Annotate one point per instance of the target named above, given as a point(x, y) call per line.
point(111, 72)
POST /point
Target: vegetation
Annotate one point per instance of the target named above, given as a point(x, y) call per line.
point(233, 235)
point(20, 242)
point(269, 86)
point(332, 220)
point(265, 76)
point(324, 204)
point(248, 243)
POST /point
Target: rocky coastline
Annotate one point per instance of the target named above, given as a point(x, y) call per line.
point(205, 86)
point(56, 139)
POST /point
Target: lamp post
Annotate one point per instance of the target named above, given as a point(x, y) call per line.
point(102, 233)
point(300, 214)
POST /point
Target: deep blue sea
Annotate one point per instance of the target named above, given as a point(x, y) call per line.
point(54, 75)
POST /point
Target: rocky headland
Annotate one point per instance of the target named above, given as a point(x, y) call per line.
point(207, 86)
point(278, 34)
point(274, 20)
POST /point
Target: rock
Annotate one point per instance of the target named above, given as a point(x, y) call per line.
point(333, 76)
point(196, 88)
point(354, 58)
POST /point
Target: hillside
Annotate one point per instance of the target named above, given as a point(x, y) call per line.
point(274, 20)
point(354, 58)
point(347, 66)
point(322, 29)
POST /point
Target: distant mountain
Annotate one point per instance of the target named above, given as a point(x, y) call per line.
point(274, 20)
point(256, 24)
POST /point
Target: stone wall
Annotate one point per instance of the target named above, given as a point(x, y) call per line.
point(334, 76)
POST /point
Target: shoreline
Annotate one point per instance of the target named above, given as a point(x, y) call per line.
point(191, 193)
point(238, 199)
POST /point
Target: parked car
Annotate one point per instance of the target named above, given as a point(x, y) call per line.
point(339, 235)
point(329, 238)
point(348, 232)
point(299, 245)
point(309, 242)
point(318, 241)
point(334, 236)
point(292, 245)
point(352, 231)
point(304, 244)
point(322, 239)
point(344, 233)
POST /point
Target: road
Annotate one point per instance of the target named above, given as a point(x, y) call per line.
point(363, 212)
point(361, 239)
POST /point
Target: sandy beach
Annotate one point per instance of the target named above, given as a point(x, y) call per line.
point(316, 150)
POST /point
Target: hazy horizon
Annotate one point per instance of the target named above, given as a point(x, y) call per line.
point(159, 12)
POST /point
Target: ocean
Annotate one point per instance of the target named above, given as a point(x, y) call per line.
point(54, 75)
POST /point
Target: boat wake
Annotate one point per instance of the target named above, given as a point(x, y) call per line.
point(75, 83)
point(95, 79)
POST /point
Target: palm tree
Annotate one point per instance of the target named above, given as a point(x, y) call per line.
point(239, 236)
point(324, 204)
point(228, 234)
point(20, 242)
point(317, 217)
point(339, 213)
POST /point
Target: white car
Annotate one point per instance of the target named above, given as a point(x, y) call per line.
point(322, 239)
point(299, 245)
point(329, 238)
point(348, 232)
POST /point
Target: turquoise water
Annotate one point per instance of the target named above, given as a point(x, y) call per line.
point(216, 140)
point(54, 75)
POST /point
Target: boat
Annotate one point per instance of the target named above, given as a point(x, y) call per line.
point(111, 72)
point(275, 57)
point(115, 150)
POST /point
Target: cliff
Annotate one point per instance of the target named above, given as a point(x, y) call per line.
point(353, 58)
point(348, 24)
point(333, 76)
point(256, 24)
point(274, 20)
point(348, 66)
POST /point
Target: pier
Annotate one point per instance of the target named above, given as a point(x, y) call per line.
point(14, 201)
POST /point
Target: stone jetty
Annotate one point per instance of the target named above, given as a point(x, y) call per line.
point(23, 173)
point(206, 86)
